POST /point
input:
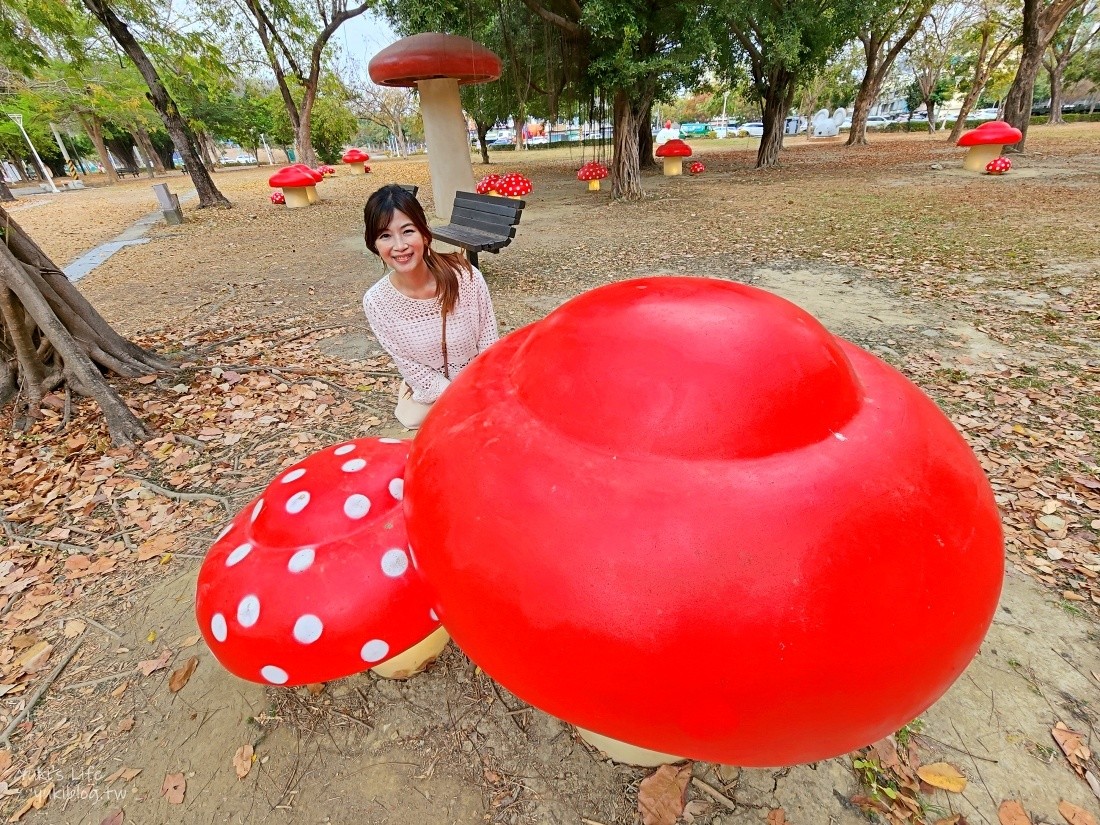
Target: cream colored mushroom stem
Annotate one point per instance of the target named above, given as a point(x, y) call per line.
point(416, 658)
point(673, 167)
point(357, 167)
point(977, 157)
point(625, 752)
point(296, 196)
point(594, 185)
point(448, 142)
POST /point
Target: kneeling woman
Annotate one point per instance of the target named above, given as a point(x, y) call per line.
point(431, 311)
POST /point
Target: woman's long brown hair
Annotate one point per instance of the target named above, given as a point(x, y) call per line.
point(444, 267)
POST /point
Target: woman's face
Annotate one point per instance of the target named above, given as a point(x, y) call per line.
point(400, 245)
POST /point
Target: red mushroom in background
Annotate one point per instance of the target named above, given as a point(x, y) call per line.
point(278, 198)
point(672, 154)
point(312, 581)
point(742, 491)
point(488, 185)
point(437, 64)
point(356, 159)
point(295, 184)
point(326, 170)
point(317, 178)
point(514, 185)
point(697, 167)
point(998, 166)
point(987, 142)
point(593, 172)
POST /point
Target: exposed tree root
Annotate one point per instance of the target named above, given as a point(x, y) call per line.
point(51, 337)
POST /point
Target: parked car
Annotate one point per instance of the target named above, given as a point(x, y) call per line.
point(503, 140)
point(984, 114)
point(754, 129)
point(538, 140)
point(878, 122)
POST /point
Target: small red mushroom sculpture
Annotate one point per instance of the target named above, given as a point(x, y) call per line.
point(987, 142)
point(514, 185)
point(437, 64)
point(697, 167)
point(593, 172)
point(998, 166)
point(672, 154)
point(488, 185)
point(278, 198)
point(356, 159)
point(742, 493)
point(326, 170)
point(296, 185)
point(313, 581)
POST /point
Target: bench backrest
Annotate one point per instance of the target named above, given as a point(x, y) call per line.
point(488, 213)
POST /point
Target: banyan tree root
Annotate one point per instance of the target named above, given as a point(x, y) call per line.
point(51, 337)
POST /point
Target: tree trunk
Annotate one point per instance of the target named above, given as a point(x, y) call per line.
point(645, 140)
point(1056, 69)
point(56, 338)
point(164, 104)
point(626, 179)
point(305, 114)
point(94, 127)
point(482, 131)
point(868, 94)
point(778, 96)
point(967, 105)
point(146, 144)
point(5, 193)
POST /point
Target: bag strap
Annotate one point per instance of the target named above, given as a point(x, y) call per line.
point(446, 368)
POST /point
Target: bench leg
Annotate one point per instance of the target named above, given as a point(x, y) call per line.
point(471, 256)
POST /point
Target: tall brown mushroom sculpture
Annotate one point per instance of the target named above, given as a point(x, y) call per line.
point(437, 64)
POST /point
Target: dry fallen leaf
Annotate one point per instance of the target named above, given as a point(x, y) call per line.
point(126, 725)
point(315, 688)
point(190, 641)
point(1012, 812)
point(36, 802)
point(1075, 815)
point(242, 761)
point(777, 816)
point(150, 665)
point(1073, 746)
point(117, 818)
point(661, 794)
point(181, 676)
point(174, 787)
point(942, 775)
point(73, 628)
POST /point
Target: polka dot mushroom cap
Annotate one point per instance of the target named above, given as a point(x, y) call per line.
point(314, 579)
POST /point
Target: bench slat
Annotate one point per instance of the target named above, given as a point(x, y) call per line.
point(461, 215)
point(490, 203)
point(471, 238)
point(499, 230)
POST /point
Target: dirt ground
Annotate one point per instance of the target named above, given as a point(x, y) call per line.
point(983, 290)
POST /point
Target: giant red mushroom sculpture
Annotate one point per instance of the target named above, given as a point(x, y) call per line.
point(311, 191)
point(987, 142)
point(312, 580)
point(743, 492)
point(672, 153)
point(437, 64)
point(296, 185)
point(356, 159)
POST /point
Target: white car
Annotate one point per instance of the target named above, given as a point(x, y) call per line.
point(878, 122)
point(754, 129)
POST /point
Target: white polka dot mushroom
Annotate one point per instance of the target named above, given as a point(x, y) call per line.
point(314, 579)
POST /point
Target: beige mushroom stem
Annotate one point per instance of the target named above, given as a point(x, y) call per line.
point(448, 144)
point(673, 167)
point(415, 659)
point(594, 185)
point(296, 196)
point(311, 193)
point(977, 157)
point(626, 753)
point(357, 168)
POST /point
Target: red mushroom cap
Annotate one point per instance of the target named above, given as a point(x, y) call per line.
point(488, 184)
point(752, 489)
point(313, 173)
point(697, 168)
point(674, 148)
point(593, 170)
point(355, 156)
point(514, 184)
point(668, 124)
point(994, 132)
point(998, 166)
point(312, 580)
point(278, 197)
point(433, 55)
point(291, 177)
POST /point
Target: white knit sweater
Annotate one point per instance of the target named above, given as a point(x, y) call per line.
point(411, 331)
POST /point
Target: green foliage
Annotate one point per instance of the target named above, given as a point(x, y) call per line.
point(331, 127)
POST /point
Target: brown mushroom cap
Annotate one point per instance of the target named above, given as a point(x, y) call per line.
point(675, 148)
point(433, 55)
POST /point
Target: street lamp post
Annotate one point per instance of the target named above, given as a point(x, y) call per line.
point(724, 129)
point(42, 170)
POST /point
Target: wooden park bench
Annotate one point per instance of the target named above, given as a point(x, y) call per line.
point(480, 223)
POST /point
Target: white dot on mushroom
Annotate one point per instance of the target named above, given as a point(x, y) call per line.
point(434, 615)
point(218, 627)
point(275, 675)
point(374, 650)
point(297, 502)
point(302, 560)
point(353, 466)
point(256, 510)
point(308, 629)
point(356, 506)
point(248, 611)
point(389, 441)
point(344, 450)
point(238, 554)
point(397, 488)
point(293, 475)
point(394, 562)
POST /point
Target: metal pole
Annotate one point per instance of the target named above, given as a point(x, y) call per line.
point(725, 123)
point(270, 160)
point(42, 170)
